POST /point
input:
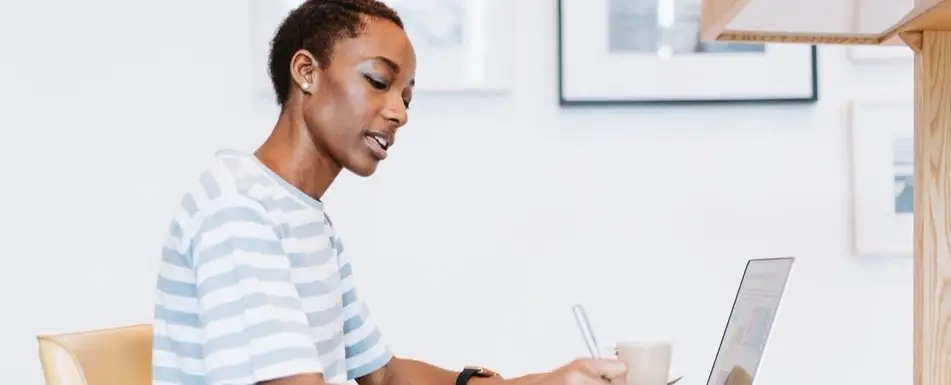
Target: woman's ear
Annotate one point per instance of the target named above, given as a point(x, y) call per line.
point(304, 71)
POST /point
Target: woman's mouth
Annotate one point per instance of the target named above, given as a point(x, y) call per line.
point(377, 144)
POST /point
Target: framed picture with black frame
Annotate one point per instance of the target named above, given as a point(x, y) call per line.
point(650, 52)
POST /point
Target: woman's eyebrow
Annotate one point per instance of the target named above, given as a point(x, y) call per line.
point(389, 63)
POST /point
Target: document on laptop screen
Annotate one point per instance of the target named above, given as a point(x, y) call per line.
point(754, 310)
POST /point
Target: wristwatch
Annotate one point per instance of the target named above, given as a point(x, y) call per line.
point(474, 371)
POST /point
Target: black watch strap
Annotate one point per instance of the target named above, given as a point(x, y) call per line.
point(465, 375)
point(470, 372)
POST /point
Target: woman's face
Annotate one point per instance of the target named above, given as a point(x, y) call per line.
point(354, 106)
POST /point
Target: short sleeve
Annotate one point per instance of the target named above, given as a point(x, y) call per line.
point(366, 351)
point(252, 324)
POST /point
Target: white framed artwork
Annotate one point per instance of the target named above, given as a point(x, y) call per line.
point(649, 51)
point(461, 45)
point(882, 165)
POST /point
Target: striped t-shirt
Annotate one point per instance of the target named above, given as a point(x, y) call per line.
point(253, 285)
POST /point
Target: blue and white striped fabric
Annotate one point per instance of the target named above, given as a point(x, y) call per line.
point(253, 285)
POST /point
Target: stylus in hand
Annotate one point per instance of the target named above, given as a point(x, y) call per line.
point(582, 319)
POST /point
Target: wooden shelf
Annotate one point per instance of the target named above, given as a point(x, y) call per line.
point(925, 26)
point(821, 21)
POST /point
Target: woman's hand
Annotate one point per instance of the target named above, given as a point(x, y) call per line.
point(582, 371)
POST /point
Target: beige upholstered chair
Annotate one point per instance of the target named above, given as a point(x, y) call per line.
point(119, 356)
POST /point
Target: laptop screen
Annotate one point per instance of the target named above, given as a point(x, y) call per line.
point(754, 309)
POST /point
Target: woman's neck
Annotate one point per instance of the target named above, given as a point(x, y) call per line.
point(292, 154)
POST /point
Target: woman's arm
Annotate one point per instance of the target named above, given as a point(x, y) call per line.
point(397, 372)
point(401, 371)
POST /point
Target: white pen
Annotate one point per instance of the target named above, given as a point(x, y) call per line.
point(582, 319)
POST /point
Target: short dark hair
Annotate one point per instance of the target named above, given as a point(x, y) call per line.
point(316, 25)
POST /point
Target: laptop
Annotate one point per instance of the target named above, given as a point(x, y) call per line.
point(751, 319)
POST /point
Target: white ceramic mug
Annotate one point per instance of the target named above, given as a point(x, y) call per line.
point(648, 363)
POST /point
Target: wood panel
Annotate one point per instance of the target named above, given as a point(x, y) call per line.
point(932, 205)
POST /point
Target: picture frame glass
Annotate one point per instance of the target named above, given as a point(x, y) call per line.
point(882, 147)
point(461, 45)
point(651, 51)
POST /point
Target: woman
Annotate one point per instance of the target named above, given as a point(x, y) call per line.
point(254, 286)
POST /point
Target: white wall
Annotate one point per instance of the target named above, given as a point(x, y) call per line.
point(108, 109)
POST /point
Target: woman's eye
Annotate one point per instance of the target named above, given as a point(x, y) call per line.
point(376, 83)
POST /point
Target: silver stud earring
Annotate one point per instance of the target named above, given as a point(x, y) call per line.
point(305, 86)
